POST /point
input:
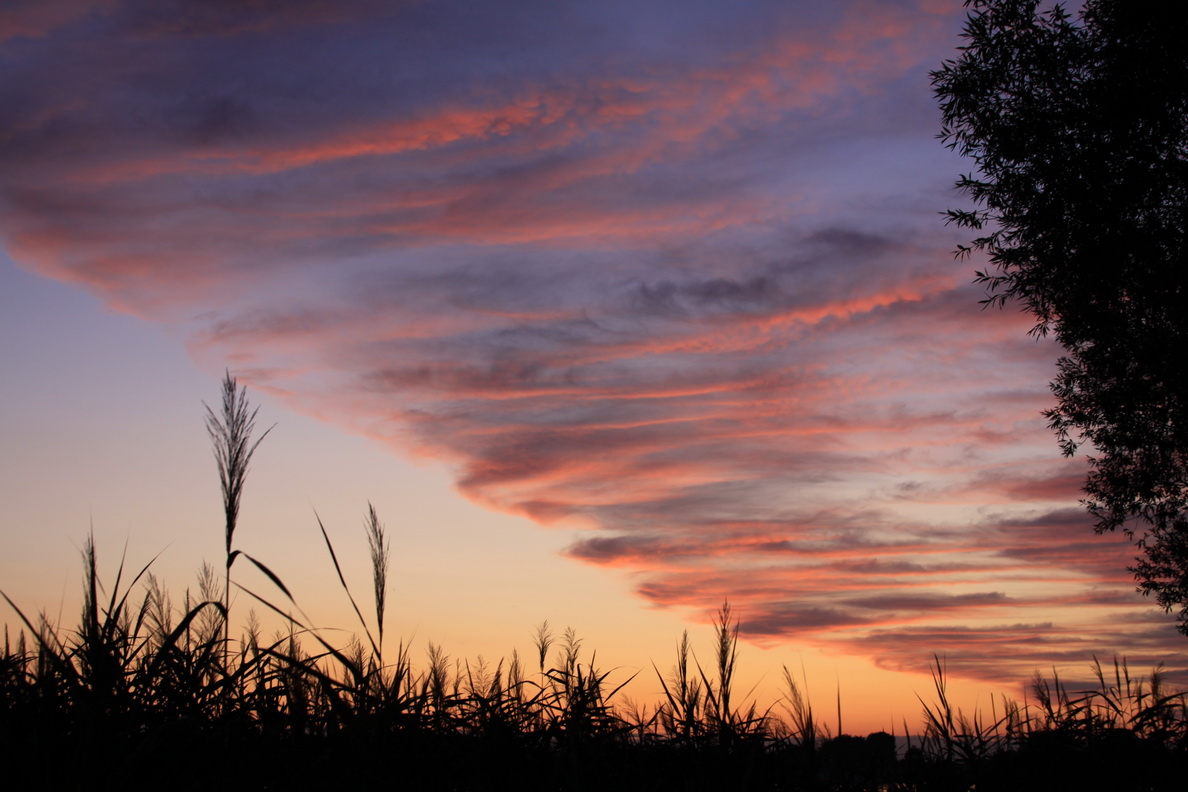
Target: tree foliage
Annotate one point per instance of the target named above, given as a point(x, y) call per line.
point(1078, 128)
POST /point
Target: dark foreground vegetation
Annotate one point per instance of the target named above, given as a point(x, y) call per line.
point(146, 693)
point(136, 697)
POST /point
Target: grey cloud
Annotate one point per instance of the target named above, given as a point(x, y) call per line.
point(789, 619)
point(929, 602)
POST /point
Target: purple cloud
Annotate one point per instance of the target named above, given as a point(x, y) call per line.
point(670, 278)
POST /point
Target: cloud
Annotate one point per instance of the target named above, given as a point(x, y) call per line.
point(35, 19)
point(671, 281)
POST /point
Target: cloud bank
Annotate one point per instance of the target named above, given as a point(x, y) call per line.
point(669, 276)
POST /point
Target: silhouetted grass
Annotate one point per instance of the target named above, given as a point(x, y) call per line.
point(140, 690)
point(143, 693)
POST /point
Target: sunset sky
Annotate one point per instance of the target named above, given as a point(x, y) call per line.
point(612, 309)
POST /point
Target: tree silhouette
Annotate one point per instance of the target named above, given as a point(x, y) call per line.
point(1078, 128)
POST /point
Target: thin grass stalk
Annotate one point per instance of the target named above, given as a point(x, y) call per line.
point(800, 710)
point(345, 587)
point(839, 712)
point(571, 647)
point(717, 698)
point(681, 711)
point(380, 552)
point(231, 437)
point(437, 681)
point(542, 639)
point(727, 651)
point(939, 729)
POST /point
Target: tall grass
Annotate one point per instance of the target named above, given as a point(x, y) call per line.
point(230, 433)
point(141, 683)
point(380, 551)
point(145, 692)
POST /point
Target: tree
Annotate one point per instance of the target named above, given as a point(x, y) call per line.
point(1078, 128)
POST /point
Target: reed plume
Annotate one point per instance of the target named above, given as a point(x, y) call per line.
point(380, 550)
point(230, 433)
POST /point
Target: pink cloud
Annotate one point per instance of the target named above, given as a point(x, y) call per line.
point(693, 305)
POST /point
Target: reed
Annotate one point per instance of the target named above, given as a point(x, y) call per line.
point(230, 432)
point(380, 552)
point(139, 672)
point(145, 684)
point(681, 711)
point(950, 734)
point(800, 712)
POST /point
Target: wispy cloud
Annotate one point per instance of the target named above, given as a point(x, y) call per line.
point(667, 276)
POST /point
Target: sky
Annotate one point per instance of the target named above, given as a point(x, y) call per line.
point(613, 310)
